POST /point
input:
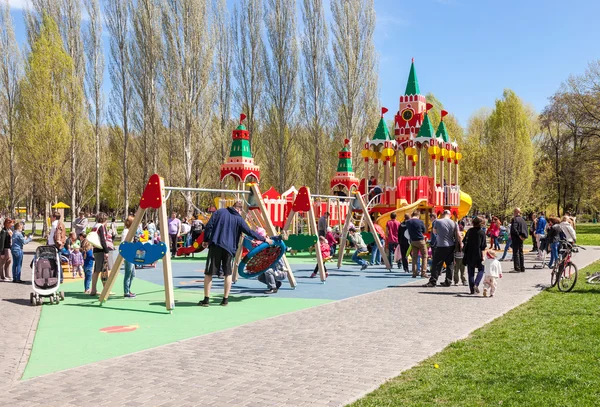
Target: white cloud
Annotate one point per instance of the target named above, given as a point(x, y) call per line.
point(19, 4)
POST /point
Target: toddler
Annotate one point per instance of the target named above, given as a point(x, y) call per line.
point(493, 271)
point(325, 253)
point(88, 264)
point(76, 260)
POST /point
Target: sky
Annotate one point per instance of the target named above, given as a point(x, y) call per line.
point(467, 51)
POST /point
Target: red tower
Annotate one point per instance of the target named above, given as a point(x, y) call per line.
point(412, 109)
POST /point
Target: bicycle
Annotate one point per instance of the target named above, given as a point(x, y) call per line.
point(564, 273)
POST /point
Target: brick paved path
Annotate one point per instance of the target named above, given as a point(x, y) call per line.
point(18, 321)
point(324, 356)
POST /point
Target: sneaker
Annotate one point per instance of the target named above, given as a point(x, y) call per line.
point(445, 284)
point(8, 279)
point(465, 283)
point(455, 283)
point(491, 295)
point(429, 284)
point(204, 303)
point(485, 292)
point(130, 295)
point(271, 291)
point(477, 289)
point(225, 302)
point(278, 284)
point(313, 275)
point(364, 266)
point(414, 275)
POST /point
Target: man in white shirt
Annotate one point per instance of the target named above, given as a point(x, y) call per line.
point(52, 230)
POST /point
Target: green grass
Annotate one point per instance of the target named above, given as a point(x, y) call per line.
point(545, 352)
point(588, 234)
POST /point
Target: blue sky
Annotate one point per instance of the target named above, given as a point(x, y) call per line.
point(467, 52)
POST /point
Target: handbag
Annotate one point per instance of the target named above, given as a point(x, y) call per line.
point(94, 239)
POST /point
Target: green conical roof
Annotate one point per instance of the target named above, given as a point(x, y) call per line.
point(426, 129)
point(442, 132)
point(345, 162)
point(241, 127)
point(240, 148)
point(382, 132)
point(412, 86)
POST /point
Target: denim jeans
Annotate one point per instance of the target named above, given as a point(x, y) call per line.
point(268, 279)
point(17, 263)
point(496, 243)
point(333, 249)
point(356, 258)
point(553, 254)
point(474, 281)
point(508, 244)
point(129, 274)
point(375, 254)
point(87, 272)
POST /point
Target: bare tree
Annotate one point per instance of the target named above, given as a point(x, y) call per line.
point(146, 56)
point(189, 48)
point(222, 74)
point(282, 73)
point(354, 64)
point(11, 71)
point(118, 22)
point(249, 56)
point(95, 76)
point(314, 91)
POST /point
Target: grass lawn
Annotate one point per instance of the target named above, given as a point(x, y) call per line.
point(545, 352)
point(588, 234)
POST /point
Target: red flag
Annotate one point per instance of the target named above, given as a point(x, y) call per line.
point(444, 113)
point(429, 106)
point(346, 141)
point(384, 110)
point(242, 118)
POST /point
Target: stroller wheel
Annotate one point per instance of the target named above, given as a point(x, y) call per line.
point(62, 295)
point(39, 301)
point(31, 299)
point(51, 299)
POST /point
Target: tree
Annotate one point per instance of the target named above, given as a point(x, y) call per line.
point(43, 111)
point(249, 59)
point(501, 176)
point(146, 52)
point(11, 71)
point(189, 47)
point(314, 90)
point(353, 69)
point(119, 28)
point(222, 75)
point(95, 76)
point(281, 72)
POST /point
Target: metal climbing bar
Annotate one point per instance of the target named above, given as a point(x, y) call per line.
point(225, 191)
point(332, 197)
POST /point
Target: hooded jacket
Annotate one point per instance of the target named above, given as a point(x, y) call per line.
point(225, 228)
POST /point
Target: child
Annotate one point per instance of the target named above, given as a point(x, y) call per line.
point(88, 264)
point(18, 241)
point(493, 271)
point(273, 277)
point(129, 268)
point(325, 253)
point(331, 241)
point(76, 260)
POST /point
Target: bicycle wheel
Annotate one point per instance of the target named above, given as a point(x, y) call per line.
point(594, 278)
point(567, 278)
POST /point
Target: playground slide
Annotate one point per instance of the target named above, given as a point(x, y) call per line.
point(465, 204)
point(195, 247)
point(383, 219)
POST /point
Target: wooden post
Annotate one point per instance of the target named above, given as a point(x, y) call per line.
point(238, 258)
point(271, 230)
point(114, 272)
point(343, 235)
point(167, 271)
point(312, 221)
point(386, 260)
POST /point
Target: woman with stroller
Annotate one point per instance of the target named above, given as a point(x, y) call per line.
point(101, 254)
point(18, 241)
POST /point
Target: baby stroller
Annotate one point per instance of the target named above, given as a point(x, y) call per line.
point(46, 273)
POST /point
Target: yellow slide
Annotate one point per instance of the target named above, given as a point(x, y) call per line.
point(383, 219)
point(463, 208)
point(465, 204)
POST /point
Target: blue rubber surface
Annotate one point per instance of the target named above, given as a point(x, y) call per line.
point(346, 282)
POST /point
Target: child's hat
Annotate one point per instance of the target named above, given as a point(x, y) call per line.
point(490, 254)
point(261, 232)
point(75, 246)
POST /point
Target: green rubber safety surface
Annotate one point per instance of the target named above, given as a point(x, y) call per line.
point(79, 331)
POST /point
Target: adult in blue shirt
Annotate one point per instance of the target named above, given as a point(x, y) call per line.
point(416, 232)
point(540, 233)
point(221, 236)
